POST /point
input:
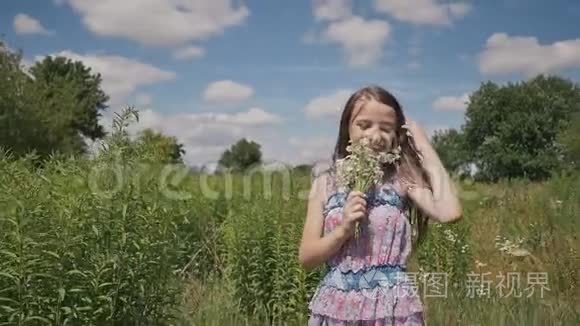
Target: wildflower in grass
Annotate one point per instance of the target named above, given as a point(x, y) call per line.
point(363, 167)
point(511, 248)
point(479, 264)
point(450, 235)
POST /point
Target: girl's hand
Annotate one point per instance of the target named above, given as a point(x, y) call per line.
point(417, 136)
point(355, 210)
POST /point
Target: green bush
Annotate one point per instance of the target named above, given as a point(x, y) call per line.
point(91, 241)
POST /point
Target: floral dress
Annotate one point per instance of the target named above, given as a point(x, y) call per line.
point(367, 282)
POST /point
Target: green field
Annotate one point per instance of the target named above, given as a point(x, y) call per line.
point(120, 241)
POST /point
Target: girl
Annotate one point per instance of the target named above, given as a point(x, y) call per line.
point(366, 283)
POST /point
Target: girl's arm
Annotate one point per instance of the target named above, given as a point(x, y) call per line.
point(441, 201)
point(315, 249)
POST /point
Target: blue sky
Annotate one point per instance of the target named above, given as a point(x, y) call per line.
point(210, 72)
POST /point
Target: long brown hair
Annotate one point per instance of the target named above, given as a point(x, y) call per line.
point(408, 168)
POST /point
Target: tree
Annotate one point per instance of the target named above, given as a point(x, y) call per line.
point(511, 131)
point(241, 155)
point(570, 140)
point(162, 148)
point(21, 127)
point(303, 168)
point(49, 109)
point(71, 93)
point(450, 146)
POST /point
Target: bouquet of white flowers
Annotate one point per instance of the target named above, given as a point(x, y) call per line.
point(362, 167)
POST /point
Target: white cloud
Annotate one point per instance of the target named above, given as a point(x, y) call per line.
point(24, 24)
point(121, 76)
point(328, 105)
point(160, 23)
point(362, 40)
point(252, 117)
point(206, 135)
point(451, 103)
point(332, 9)
point(203, 142)
point(227, 92)
point(423, 12)
point(504, 54)
point(188, 53)
point(312, 149)
point(143, 100)
point(459, 9)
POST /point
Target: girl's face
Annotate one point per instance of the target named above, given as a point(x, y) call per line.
point(375, 121)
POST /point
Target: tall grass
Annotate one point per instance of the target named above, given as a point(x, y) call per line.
point(261, 246)
point(540, 222)
point(120, 239)
point(94, 242)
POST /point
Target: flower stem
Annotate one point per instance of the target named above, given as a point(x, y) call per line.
point(360, 185)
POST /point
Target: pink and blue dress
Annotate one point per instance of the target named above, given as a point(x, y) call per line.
point(367, 282)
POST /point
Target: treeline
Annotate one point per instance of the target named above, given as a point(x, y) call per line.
point(528, 129)
point(53, 108)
